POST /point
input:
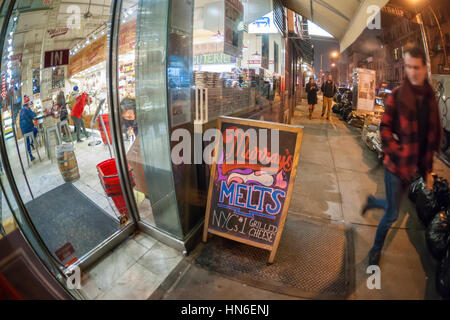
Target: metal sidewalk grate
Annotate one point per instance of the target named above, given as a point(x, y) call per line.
point(314, 260)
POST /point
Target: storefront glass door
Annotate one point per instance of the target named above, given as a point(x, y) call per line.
point(55, 121)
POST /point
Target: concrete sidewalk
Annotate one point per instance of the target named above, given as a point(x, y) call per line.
point(336, 173)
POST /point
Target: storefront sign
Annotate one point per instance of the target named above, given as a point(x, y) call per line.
point(248, 197)
point(264, 24)
point(127, 37)
point(216, 58)
point(88, 57)
point(254, 61)
point(56, 58)
point(208, 48)
point(57, 32)
point(16, 57)
point(366, 89)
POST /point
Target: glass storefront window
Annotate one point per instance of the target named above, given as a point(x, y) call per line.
point(55, 119)
point(221, 61)
point(181, 66)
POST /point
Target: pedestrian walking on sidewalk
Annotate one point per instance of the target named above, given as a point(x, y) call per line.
point(411, 133)
point(329, 90)
point(311, 89)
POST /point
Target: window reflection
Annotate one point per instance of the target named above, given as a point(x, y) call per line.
point(56, 123)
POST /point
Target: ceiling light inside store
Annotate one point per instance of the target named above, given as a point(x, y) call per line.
point(130, 11)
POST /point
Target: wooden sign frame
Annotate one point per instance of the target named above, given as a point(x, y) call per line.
point(266, 125)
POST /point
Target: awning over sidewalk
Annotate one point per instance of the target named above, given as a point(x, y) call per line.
point(344, 19)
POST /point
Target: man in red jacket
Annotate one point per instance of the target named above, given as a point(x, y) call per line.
point(77, 112)
point(411, 133)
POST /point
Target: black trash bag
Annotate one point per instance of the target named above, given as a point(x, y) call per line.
point(442, 193)
point(443, 275)
point(345, 110)
point(337, 108)
point(345, 114)
point(417, 185)
point(438, 234)
point(426, 205)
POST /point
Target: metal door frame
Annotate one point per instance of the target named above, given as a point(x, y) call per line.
point(121, 235)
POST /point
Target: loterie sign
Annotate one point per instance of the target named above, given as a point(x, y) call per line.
point(252, 178)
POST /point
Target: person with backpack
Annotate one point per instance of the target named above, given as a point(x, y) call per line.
point(26, 123)
point(411, 134)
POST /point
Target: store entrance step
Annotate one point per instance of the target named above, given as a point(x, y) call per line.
point(65, 215)
point(314, 260)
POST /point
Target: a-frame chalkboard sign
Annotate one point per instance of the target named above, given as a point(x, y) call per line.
point(251, 182)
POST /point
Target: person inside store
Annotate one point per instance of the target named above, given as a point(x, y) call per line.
point(311, 90)
point(61, 106)
point(329, 90)
point(129, 122)
point(134, 155)
point(16, 109)
point(411, 134)
point(81, 99)
point(26, 117)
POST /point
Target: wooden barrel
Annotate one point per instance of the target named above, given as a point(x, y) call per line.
point(67, 162)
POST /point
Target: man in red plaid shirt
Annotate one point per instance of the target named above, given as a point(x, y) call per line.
point(411, 133)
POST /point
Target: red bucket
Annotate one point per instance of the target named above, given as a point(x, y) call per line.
point(107, 172)
point(102, 133)
point(119, 202)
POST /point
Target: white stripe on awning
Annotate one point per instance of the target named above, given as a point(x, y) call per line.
point(344, 19)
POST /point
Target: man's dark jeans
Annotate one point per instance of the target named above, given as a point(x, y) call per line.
point(79, 123)
point(35, 132)
point(394, 191)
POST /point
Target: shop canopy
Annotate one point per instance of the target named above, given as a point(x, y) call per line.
point(344, 19)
